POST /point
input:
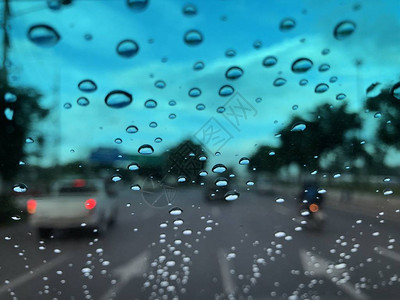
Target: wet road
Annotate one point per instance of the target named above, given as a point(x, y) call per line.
point(252, 248)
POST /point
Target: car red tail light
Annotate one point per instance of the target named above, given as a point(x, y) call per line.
point(79, 183)
point(90, 203)
point(31, 206)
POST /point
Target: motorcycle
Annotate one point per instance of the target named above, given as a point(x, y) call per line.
point(312, 217)
point(310, 208)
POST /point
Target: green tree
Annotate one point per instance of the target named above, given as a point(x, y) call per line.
point(387, 109)
point(307, 141)
point(183, 160)
point(20, 108)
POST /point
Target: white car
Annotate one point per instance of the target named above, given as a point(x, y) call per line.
point(73, 204)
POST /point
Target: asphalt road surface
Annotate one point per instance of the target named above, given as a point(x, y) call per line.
point(250, 248)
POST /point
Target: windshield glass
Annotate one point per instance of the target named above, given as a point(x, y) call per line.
point(246, 149)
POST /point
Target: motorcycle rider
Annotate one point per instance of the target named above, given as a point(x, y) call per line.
point(311, 202)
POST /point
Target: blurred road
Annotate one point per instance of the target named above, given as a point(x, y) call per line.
point(251, 248)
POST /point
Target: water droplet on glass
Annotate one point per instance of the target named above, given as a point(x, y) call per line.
point(172, 116)
point(340, 96)
point(295, 107)
point(221, 182)
point(324, 67)
point(230, 53)
point(133, 166)
point(198, 66)
point(333, 79)
point(194, 92)
point(321, 88)
point(127, 48)
point(116, 178)
point(137, 5)
point(54, 4)
point(189, 10)
point(131, 129)
point(325, 51)
point(170, 263)
point(172, 102)
point(299, 127)
point(9, 113)
point(118, 99)
point(269, 61)
point(153, 124)
point(280, 200)
point(16, 218)
point(181, 179)
point(160, 84)
point(146, 149)
point(150, 103)
point(20, 188)
point(43, 35)
point(303, 82)
point(395, 91)
point(67, 105)
point(176, 211)
point(187, 232)
point(219, 168)
point(287, 24)
point(250, 183)
point(302, 65)
point(231, 196)
point(193, 37)
point(377, 115)
point(82, 101)
point(220, 109)
point(200, 106)
point(87, 86)
point(10, 97)
point(280, 234)
point(118, 141)
point(203, 173)
point(344, 29)
point(234, 73)
point(279, 81)
point(158, 140)
point(226, 90)
point(244, 161)
point(88, 37)
point(257, 44)
point(29, 140)
point(178, 222)
point(135, 187)
point(202, 158)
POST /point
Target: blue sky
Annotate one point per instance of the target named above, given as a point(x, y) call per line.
point(73, 59)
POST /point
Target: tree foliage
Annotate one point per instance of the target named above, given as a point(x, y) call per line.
point(183, 160)
point(326, 130)
point(20, 109)
point(387, 110)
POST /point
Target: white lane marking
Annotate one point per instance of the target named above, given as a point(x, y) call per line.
point(387, 253)
point(227, 281)
point(133, 268)
point(318, 266)
point(35, 272)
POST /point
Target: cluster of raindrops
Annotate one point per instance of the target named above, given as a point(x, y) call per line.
point(170, 271)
